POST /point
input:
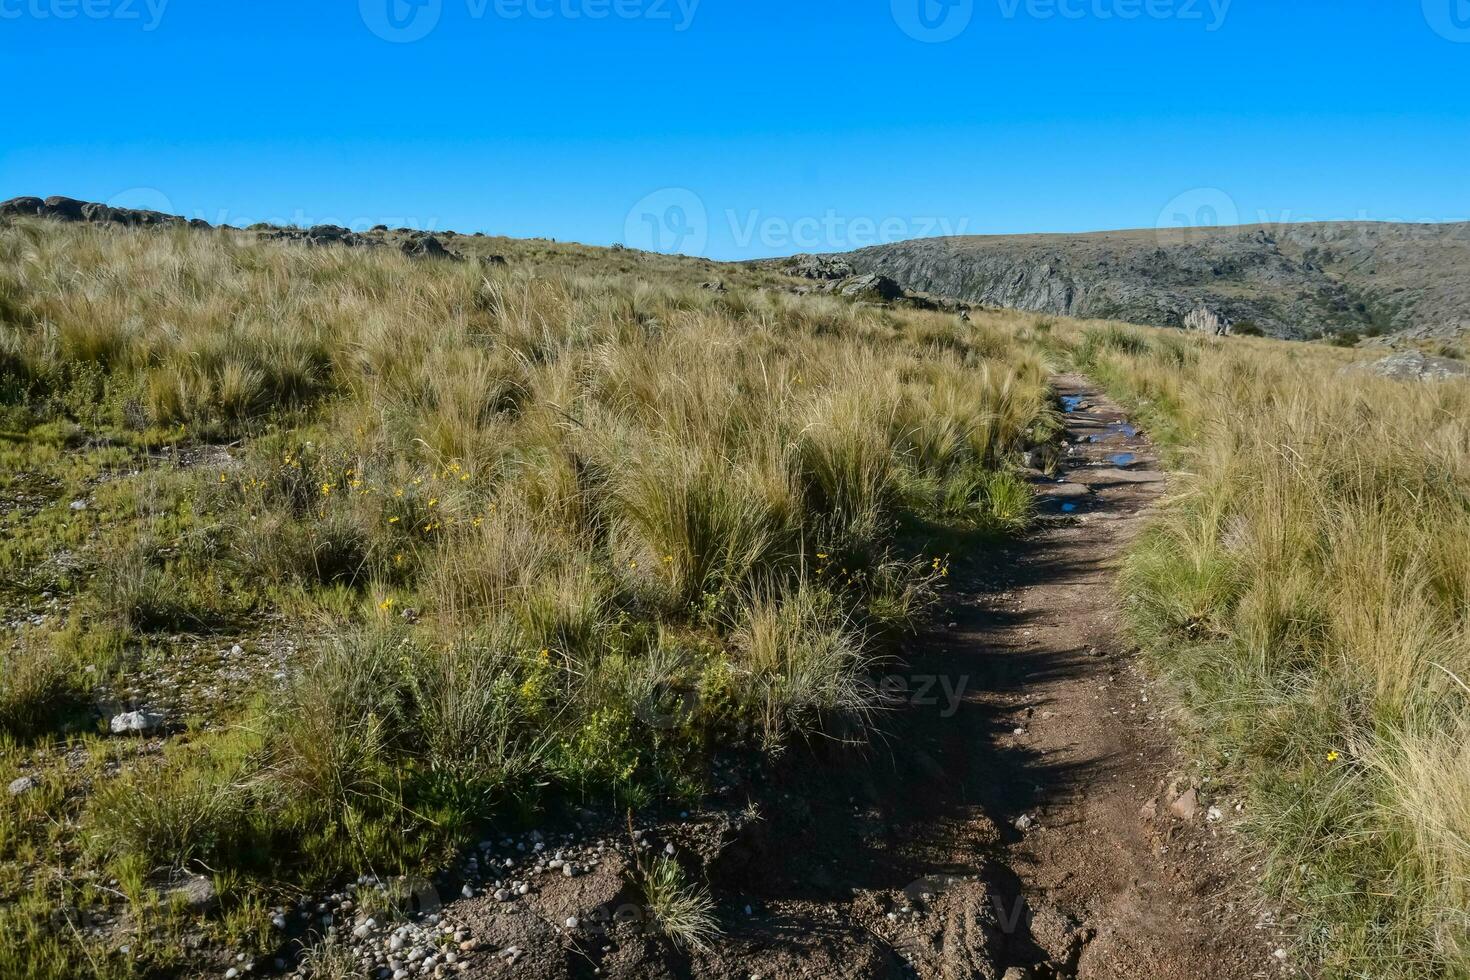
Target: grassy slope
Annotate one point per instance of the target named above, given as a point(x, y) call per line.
point(557, 531)
point(595, 483)
point(1309, 590)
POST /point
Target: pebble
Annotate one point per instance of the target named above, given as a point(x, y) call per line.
point(22, 785)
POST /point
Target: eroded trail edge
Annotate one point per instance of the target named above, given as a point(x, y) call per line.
point(1025, 815)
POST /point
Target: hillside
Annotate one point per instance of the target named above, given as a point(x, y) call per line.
point(1291, 281)
point(390, 604)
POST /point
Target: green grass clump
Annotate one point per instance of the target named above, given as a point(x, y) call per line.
point(1308, 591)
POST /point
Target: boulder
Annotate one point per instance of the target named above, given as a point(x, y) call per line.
point(426, 247)
point(65, 208)
point(871, 286)
point(1417, 366)
point(22, 207)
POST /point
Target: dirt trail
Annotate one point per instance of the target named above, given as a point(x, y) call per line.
point(1016, 821)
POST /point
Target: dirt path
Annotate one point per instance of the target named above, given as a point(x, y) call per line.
point(1016, 821)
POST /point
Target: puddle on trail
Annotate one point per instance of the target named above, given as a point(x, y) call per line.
point(1070, 403)
point(1124, 429)
point(1068, 508)
point(1123, 460)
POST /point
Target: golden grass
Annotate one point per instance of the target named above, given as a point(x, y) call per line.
point(563, 528)
point(1308, 589)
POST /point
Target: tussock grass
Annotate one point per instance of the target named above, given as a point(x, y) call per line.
point(40, 686)
point(1308, 590)
point(682, 911)
point(553, 532)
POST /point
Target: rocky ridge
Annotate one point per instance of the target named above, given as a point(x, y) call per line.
point(1295, 281)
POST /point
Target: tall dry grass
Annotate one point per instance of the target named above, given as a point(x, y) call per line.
point(566, 527)
point(1309, 589)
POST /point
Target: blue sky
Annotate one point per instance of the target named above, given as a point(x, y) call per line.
point(741, 128)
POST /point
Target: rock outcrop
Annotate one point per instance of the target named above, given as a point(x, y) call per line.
point(321, 235)
point(1294, 281)
point(70, 209)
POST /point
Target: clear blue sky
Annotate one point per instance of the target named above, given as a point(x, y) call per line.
point(739, 128)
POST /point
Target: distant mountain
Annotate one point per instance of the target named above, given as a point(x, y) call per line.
point(1296, 281)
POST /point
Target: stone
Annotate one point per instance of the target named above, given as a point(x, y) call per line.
point(870, 286)
point(137, 723)
point(1185, 805)
point(197, 894)
point(22, 785)
point(426, 247)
